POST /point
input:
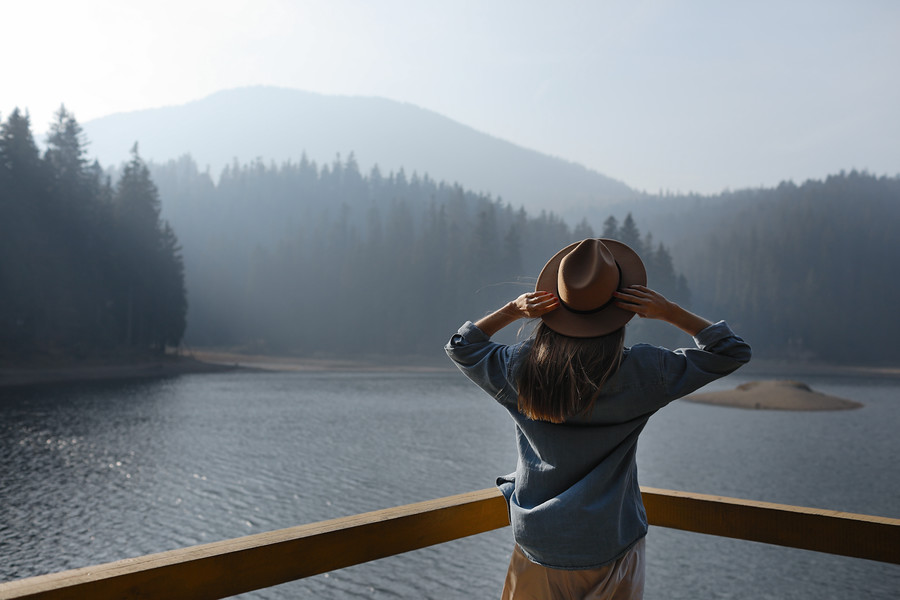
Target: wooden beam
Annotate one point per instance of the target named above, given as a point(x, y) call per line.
point(230, 567)
point(846, 534)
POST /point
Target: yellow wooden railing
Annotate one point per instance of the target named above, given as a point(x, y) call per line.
point(230, 567)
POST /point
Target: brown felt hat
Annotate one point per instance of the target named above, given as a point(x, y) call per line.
point(584, 276)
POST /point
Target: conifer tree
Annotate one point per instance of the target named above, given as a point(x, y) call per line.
point(20, 159)
point(610, 228)
point(630, 235)
point(65, 156)
point(151, 294)
point(21, 198)
point(583, 230)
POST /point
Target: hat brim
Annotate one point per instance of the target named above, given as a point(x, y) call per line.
point(605, 321)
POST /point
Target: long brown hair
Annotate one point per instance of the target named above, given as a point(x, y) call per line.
point(562, 376)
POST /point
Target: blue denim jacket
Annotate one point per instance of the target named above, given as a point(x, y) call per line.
point(574, 500)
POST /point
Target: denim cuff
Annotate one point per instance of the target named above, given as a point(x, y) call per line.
point(711, 334)
point(468, 334)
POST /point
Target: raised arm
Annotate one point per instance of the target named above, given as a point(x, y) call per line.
point(719, 351)
point(650, 304)
point(526, 306)
point(486, 362)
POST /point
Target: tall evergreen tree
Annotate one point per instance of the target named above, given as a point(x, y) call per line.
point(610, 228)
point(78, 225)
point(583, 230)
point(151, 306)
point(630, 235)
point(21, 204)
point(65, 157)
point(20, 159)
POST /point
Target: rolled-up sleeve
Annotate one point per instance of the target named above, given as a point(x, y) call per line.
point(719, 352)
point(485, 362)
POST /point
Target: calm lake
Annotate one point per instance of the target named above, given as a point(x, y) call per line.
point(99, 472)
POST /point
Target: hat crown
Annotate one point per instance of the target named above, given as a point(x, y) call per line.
point(585, 275)
point(588, 276)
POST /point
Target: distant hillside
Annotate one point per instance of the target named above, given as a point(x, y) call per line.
point(276, 124)
point(324, 260)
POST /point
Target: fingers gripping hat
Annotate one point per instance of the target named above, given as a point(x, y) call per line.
point(584, 276)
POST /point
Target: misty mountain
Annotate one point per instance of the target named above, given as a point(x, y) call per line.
point(277, 125)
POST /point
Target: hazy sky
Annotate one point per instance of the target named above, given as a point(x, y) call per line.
point(663, 95)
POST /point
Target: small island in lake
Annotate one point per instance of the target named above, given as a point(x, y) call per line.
point(774, 395)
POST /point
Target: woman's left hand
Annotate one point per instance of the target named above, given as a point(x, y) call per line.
point(646, 303)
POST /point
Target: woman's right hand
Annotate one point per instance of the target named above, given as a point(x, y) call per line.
point(530, 305)
point(535, 304)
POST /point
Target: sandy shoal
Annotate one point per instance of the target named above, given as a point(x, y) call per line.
point(774, 395)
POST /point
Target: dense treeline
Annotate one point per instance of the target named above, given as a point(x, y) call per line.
point(87, 268)
point(805, 271)
point(308, 259)
point(808, 271)
point(324, 260)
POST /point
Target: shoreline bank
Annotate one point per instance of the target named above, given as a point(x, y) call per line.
point(114, 370)
point(221, 360)
point(401, 364)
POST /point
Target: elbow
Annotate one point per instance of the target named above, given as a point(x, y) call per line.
point(743, 353)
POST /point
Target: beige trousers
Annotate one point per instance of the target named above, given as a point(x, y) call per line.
point(620, 580)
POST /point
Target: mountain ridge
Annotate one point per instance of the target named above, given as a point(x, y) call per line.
point(280, 124)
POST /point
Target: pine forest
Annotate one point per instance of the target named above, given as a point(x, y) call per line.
point(323, 260)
